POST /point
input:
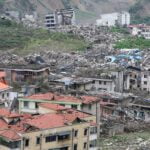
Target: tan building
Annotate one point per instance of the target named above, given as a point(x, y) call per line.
point(68, 130)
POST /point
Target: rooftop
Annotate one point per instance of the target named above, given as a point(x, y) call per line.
point(28, 123)
point(4, 112)
point(55, 120)
point(89, 99)
point(4, 86)
point(55, 107)
point(54, 97)
point(2, 74)
point(10, 134)
point(3, 124)
point(47, 96)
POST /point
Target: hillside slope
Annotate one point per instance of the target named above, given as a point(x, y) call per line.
point(86, 9)
point(141, 11)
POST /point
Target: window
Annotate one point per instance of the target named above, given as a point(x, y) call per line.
point(85, 145)
point(93, 143)
point(145, 76)
point(3, 95)
point(7, 94)
point(26, 142)
point(93, 81)
point(75, 147)
point(50, 138)
point(38, 140)
point(145, 89)
point(85, 132)
point(90, 106)
point(63, 136)
point(105, 83)
point(93, 130)
point(145, 82)
point(74, 106)
point(26, 104)
point(36, 105)
point(75, 133)
point(100, 82)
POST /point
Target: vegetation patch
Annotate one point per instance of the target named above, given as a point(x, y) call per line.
point(25, 40)
point(119, 30)
point(133, 42)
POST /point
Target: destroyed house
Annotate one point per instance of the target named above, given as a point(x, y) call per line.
point(63, 131)
point(110, 106)
point(22, 74)
point(139, 109)
point(60, 17)
point(85, 84)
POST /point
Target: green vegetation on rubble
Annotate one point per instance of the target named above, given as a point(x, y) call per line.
point(24, 40)
point(133, 42)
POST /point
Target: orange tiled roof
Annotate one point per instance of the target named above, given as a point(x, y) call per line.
point(3, 124)
point(65, 98)
point(46, 121)
point(55, 120)
point(10, 134)
point(3, 86)
point(89, 99)
point(52, 106)
point(4, 112)
point(52, 96)
point(46, 96)
point(2, 74)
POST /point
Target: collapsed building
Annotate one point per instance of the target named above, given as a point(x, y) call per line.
point(60, 17)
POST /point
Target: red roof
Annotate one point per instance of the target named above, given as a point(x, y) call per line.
point(54, 97)
point(10, 134)
point(52, 106)
point(55, 120)
point(89, 99)
point(65, 98)
point(3, 124)
point(2, 74)
point(4, 86)
point(46, 96)
point(4, 112)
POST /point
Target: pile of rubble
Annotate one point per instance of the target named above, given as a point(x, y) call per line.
point(101, 39)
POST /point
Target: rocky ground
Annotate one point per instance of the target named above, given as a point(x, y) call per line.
point(128, 141)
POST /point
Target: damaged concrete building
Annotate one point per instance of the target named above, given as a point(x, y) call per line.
point(60, 18)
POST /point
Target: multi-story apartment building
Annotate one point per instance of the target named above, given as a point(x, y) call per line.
point(34, 104)
point(113, 19)
point(52, 131)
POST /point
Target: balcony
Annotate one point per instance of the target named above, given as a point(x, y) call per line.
point(63, 136)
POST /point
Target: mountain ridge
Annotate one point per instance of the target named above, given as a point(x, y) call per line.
point(86, 10)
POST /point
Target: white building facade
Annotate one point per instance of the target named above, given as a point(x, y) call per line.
point(114, 19)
